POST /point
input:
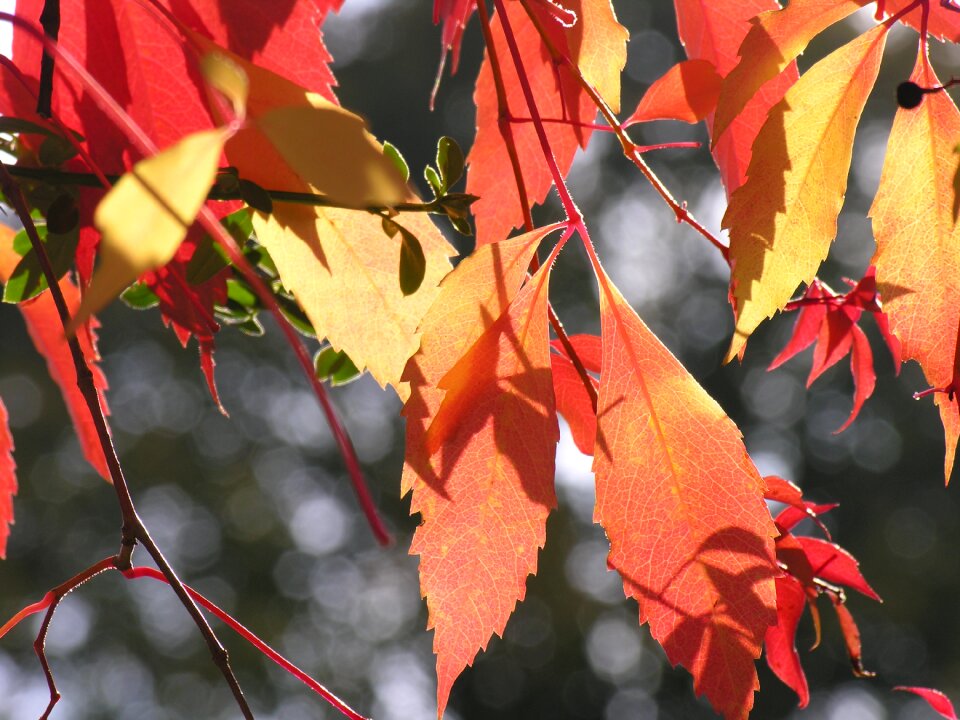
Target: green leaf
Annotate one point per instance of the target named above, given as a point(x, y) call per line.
point(251, 326)
point(21, 241)
point(27, 279)
point(449, 161)
point(139, 296)
point(292, 312)
point(334, 367)
point(413, 264)
point(208, 259)
point(241, 293)
point(390, 150)
point(461, 226)
point(434, 179)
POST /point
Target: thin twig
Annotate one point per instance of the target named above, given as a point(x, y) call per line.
point(50, 21)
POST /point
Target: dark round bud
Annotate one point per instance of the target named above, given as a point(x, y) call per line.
point(909, 95)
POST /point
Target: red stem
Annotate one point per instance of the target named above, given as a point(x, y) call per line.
point(146, 147)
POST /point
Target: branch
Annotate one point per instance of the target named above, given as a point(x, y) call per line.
point(50, 21)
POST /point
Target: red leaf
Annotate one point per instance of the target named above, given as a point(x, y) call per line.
point(783, 491)
point(851, 637)
point(8, 480)
point(558, 96)
point(674, 483)
point(833, 344)
point(936, 699)
point(791, 554)
point(780, 641)
point(864, 376)
point(713, 30)
point(807, 327)
point(574, 403)
point(835, 565)
point(589, 349)
point(943, 22)
point(687, 92)
point(455, 15)
point(790, 517)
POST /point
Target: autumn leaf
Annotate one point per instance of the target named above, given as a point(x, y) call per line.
point(484, 497)
point(8, 480)
point(776, 38)
point(598, 46)
point(688, 92)
point(713, 31)
point(918, 241)
point(674, 483)
point(943, 23)
point(45, 330)
point(146, 215)
point(935, 699)
point(780, 641)
point(339, 264)
point(573, 402)
point(559, 97)
point(832, 563)
point(784, 218)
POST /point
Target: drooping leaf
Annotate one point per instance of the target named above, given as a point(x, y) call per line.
point(337, 263)
point(713, 31)
point(806, 330)
point(674, 482)
point(146, 215)
point(834, 564)
point(780, 643)
point(783, 219)
point(452, 485)
point(558, 97)
point(688, 92)
point(573, 402)
point(851, 638)
point(776, 38)
point(935, 699)
point(8, 480)
point(46, 332)
point(864, 376)
point(918, 241)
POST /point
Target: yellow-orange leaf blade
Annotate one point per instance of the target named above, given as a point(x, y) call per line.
point(688, 91)
point(340, 264)
point(471, 299)
point(682, 505)
point(599, 46)
point(775, 39)
point(146, 215)
point(918, 240)
point(783, 219)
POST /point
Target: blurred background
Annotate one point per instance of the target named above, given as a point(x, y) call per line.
point(256, 511)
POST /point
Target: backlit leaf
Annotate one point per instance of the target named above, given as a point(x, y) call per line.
point(783, 219)
point(780, 643)
point(713, 31)
point(776, 38)
point(918, 241)
point(8, 480)
point(688, 92)
point(832, 563)
point(944, 22)
point(599, 46)
point(146, 215)
point(461, 491)
point(674, 482)
point(936, 699)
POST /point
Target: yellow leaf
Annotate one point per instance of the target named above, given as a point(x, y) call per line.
point(599, 44)
point(331, 150)
point(145, 217)
point(343, 270)
point(783, 219)
point(918, 240)
point(228, 78)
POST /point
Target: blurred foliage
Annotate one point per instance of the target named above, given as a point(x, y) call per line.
point(256, 510)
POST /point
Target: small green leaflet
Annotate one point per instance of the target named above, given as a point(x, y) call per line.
point(27, 279)
point(334, 367)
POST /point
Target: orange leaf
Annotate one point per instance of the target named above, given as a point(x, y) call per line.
point(775, 40)
point(8, 480)
point(485, 503)
point(688, 92)
point(599, 45)
point(783, 219)
point(683, 507)
point(713, 31)
point(944, 22)
point(491, 175)
point(44, 328)
point(918, 241)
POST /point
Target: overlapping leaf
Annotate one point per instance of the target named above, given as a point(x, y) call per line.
point(573, 401)
point(596, 44)
point(8, 480)
point(484, 497)
point(339, 264)
point(944, 21)
point(675, 484)
point(918, 241)
point(713, 31)
point(784, 218)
